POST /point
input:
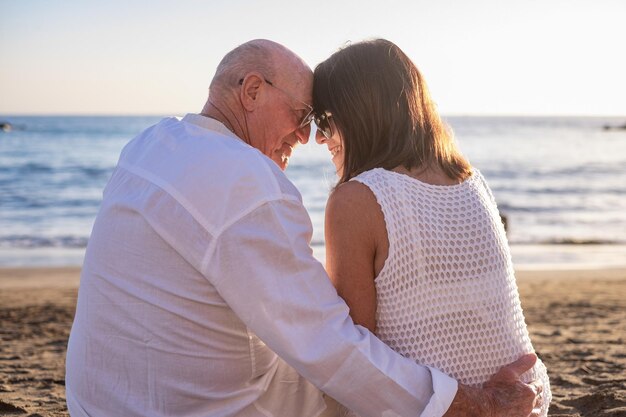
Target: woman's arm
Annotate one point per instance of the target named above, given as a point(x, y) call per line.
point(356, 248)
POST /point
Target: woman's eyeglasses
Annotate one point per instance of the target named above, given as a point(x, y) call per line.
point(323, 123)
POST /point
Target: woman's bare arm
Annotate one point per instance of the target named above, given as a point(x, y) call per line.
point(356, 248)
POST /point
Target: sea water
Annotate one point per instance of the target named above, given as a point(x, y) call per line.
point(560, 181)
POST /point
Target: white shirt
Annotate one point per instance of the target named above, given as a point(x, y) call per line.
point(199, 278)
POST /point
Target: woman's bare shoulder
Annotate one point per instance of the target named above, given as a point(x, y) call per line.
point(350, 196)
point(352, 209)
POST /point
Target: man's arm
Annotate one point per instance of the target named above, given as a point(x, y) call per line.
point(263, 267)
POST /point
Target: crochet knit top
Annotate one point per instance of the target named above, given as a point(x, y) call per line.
point(447, 295)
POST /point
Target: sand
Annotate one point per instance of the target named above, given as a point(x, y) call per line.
point(577, 321)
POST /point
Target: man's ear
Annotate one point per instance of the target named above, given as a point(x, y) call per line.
point(251, 86)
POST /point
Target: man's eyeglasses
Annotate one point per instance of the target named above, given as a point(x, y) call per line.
point(324, 125)
point(308, 117)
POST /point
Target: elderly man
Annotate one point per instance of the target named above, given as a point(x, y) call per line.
point(199, 293)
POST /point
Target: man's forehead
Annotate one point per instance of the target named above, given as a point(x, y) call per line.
point(305, 91)
point(299, 84)
point(305, 83)
point(294, 75)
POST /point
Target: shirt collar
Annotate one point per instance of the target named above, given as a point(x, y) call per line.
point(209, 123)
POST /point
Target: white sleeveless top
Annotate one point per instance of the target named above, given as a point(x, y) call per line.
point(447, 295)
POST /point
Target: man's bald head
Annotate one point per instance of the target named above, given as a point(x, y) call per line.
point(273, 60)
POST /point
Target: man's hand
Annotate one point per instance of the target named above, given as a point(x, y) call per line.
point(504, 395)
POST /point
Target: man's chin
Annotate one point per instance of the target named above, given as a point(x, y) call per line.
point(282, 155)
point(282, 161)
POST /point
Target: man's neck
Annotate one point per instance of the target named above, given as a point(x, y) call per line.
point(224, 115)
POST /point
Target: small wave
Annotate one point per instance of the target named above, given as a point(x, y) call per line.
point(569, 241)
point(596, 190)
point(506, 208)
point(95, 172)
point(574, 241)
point(317, 243)
point(82, 125)
point(37, 168)
point(17, 203)
point(577, 171)
point(34, 167)
point(29, 242)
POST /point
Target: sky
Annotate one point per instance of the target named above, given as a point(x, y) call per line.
point(479, 57)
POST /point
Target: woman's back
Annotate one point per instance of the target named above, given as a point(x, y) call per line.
point(447, 296)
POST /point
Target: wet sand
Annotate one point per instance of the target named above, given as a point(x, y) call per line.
point(577, 321)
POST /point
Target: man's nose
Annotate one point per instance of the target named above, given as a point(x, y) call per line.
point(303, 134)
point(319, 137)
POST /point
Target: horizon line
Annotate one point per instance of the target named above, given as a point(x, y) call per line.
point(451, 114)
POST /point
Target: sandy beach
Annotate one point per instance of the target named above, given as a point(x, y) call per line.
point(577, 321)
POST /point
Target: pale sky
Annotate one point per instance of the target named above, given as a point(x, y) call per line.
point(520, 57)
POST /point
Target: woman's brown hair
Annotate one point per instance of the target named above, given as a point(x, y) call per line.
point(380, 103)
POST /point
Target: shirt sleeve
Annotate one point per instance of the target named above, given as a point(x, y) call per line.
point(263, 267)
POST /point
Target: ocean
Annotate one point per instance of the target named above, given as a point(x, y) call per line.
point(560, 181)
